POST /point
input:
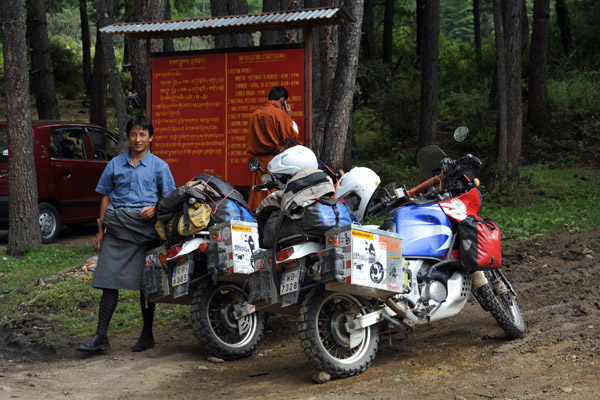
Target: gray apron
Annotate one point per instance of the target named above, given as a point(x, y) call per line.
point(122, 255)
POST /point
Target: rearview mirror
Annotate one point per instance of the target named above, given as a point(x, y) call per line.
point(253, 164)
point(461, 133)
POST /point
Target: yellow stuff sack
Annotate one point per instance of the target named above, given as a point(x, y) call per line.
point(199, 220)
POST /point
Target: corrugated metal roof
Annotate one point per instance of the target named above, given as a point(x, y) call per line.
point(233, 23)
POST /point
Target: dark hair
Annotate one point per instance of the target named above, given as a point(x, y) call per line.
point(142, 121)
point(278, 92)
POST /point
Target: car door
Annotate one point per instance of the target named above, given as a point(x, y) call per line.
point(76, 174)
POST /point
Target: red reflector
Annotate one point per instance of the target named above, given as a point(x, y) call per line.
point(292, 264)
point(285, 254)
point(202, 246)
point(336, 243)
point(218, 238)
point(173, 251)
point(261, 265)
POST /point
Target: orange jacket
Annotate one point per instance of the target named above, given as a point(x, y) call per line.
point(269, 126)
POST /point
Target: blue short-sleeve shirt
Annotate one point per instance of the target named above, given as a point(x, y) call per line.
point(136, 187)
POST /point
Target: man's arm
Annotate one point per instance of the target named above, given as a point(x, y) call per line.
point(103, 204)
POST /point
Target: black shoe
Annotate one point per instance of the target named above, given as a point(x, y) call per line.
point(96, 343)
point(144, 343)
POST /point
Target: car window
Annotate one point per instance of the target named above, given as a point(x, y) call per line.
point(68, 143)
point(3, 145)
point(104, 144)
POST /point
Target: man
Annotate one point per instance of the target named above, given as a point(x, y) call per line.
point(271, 130)
point(131, 185)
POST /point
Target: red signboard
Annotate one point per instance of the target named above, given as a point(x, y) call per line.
point(202, 102)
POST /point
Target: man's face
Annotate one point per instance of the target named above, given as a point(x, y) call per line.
point(139, 139)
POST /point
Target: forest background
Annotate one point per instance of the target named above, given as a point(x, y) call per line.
point(387, 108)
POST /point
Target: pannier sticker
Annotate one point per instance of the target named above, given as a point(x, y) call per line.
point(458, 205)
point(364, 235)
point(390, 244)
point(241, 228)
point(226, 233)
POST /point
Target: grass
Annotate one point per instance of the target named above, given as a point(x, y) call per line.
point(545, 201)
point(69, 302)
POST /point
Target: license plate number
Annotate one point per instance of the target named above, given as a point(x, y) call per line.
point(180, 274)
point(290, 282)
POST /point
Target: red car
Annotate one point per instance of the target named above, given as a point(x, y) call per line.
point(69, 159)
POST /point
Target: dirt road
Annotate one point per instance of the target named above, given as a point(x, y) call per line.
point(461, 358)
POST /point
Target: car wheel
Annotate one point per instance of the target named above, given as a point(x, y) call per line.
point(49, 222)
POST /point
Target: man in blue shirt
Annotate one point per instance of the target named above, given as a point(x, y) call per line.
point(131, 185)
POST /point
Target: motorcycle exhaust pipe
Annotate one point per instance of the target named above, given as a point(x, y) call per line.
point(394, 307)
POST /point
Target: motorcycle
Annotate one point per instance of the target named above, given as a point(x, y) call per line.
point(284, 269)
point(206, 268)
point(418, 267)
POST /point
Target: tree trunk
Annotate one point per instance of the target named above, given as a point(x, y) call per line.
point(369, 45)
point(292, 35)
point(429, 73)
point(477, 30)
point(340, 109)
point(24, 228)
point(86, 44)
point(524, 27)
point(230, 7)
point(144, 10)
point(325, 57)
point(514, 113)
point(168, 42)
point(41, 63)
point(538, 111)
point(496, 165)
point(105, 19)
point(269, 38)
point(564, 24)
point(98, 86)
point(388, 32)
point(420, 23)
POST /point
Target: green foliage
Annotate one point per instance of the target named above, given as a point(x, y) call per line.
point(68, 302)
point(65, 23)
point(584, 16)
point(67, 65)
point(387, 115)
point(574, 136)
point(545, 201)
point(576, 92)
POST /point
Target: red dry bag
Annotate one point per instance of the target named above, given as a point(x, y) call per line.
point(479, 243)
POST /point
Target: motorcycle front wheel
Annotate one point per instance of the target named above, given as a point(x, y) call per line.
point(324, 317)
point(214, 323)
point(498, 298)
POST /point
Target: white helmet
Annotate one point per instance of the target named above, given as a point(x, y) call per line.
point(356, 188)
point(293, 160)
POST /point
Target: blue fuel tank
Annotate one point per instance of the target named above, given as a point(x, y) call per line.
point(426, 231)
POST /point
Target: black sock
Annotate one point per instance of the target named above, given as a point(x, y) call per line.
point(147, 314)
point(108, 303)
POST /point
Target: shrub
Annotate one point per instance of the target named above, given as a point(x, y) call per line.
point(67, 66)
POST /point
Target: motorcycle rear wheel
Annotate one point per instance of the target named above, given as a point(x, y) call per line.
point(498, 298)
point(324, 338)
point(214, 324)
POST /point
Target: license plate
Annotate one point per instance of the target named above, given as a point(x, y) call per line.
point(180, 274)
point(290, 282)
